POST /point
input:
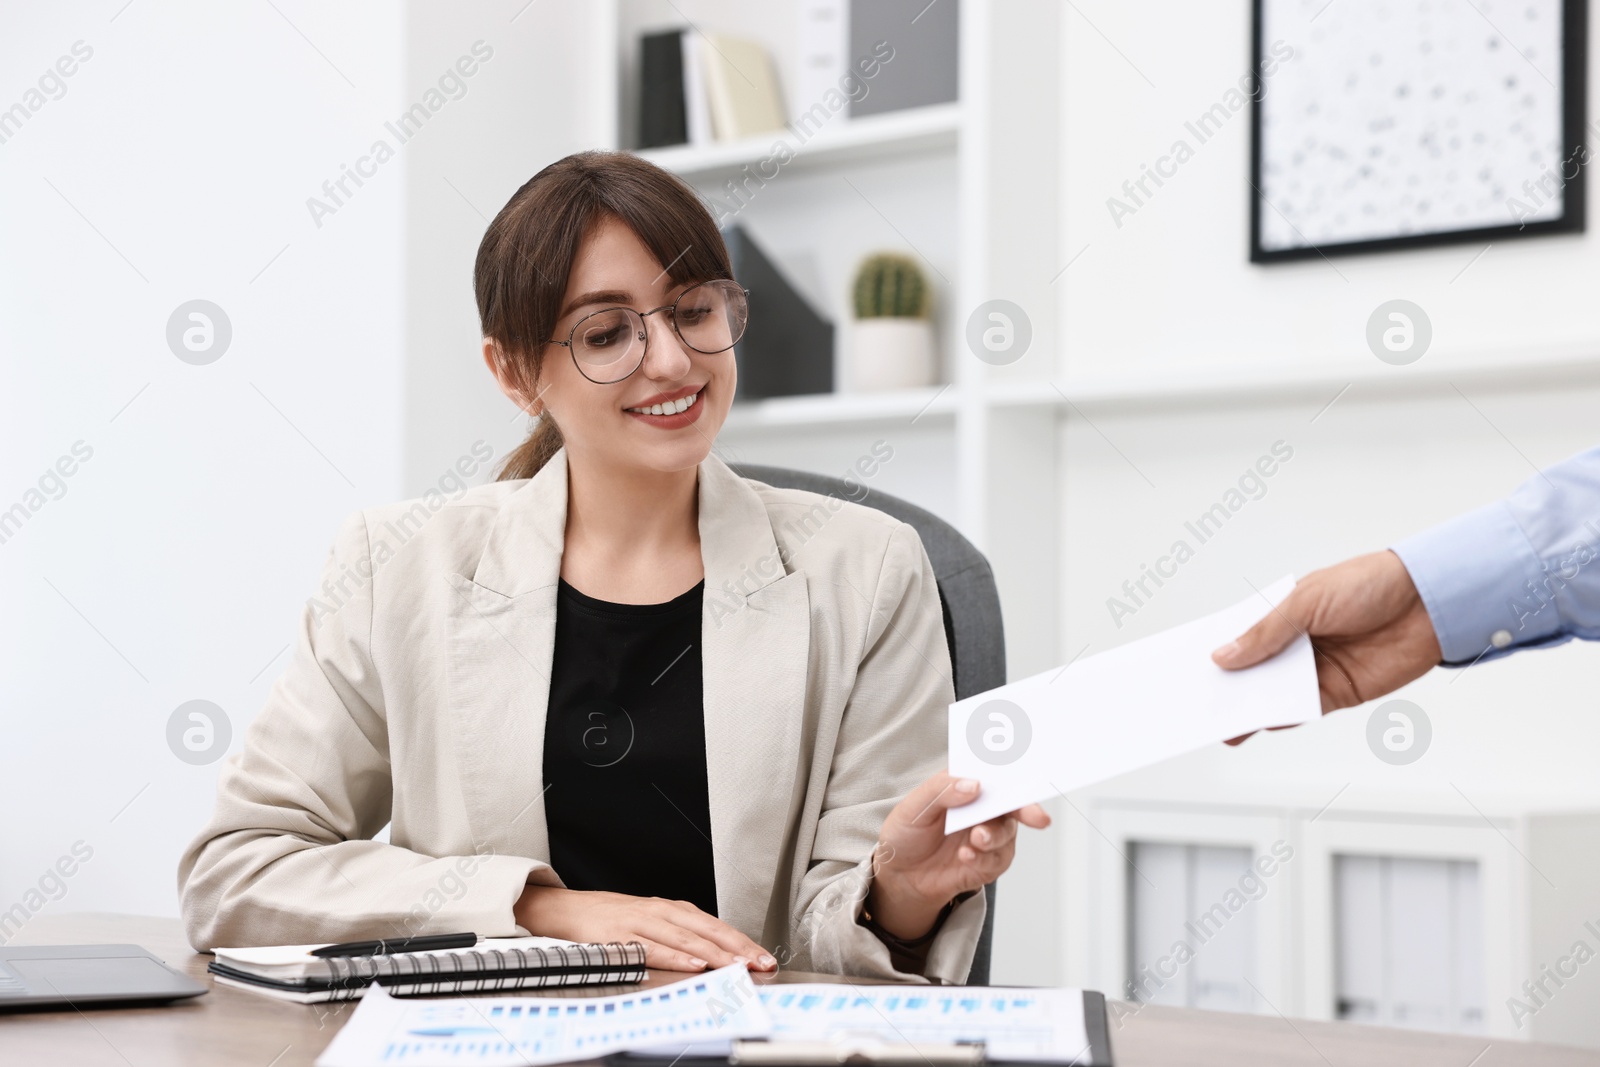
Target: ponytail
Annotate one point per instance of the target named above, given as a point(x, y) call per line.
point(528, 458)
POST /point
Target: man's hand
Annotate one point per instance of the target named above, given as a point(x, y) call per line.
point(677, 936)
point(1369, 630)
point(918, 869)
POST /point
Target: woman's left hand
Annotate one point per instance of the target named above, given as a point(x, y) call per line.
point(918, 868)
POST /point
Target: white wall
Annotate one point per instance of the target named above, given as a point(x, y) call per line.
point(177, 166)
point(176, 563)
point(1171, 297)
point(1172, 288)
point(539, 97)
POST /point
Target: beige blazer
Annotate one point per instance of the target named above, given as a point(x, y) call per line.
point(416, 698)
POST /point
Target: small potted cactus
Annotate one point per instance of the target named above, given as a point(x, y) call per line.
point(892, 339)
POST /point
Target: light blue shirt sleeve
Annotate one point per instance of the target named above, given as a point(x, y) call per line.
point(1523, 572)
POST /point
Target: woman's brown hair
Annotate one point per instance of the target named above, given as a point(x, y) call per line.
point(521, 272)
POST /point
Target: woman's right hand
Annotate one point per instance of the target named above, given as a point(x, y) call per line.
point(677, 936)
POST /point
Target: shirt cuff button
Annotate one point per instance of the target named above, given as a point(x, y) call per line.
point(1501, 639)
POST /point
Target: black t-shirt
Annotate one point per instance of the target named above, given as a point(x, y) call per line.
point(625, 749)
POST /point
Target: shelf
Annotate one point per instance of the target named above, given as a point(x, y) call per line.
point(1215, 383)
point(924, 406)
point(933, 404)
point(1195, 385)
point(1191, 387)
point(840, 141)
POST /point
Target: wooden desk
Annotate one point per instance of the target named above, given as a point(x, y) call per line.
point(230, 1026)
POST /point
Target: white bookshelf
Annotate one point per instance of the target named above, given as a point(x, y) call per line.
point(980, 446)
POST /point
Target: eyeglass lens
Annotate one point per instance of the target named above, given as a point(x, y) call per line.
point(708, 318)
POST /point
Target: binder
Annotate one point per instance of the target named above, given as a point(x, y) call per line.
point(925, 39)
point(741, 88)
point(493, 965)
point(663, 118)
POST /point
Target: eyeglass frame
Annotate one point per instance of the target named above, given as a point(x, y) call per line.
point(645, 351)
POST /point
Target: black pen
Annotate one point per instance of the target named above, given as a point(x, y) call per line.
point(404, 944)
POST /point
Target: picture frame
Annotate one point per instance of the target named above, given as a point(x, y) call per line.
point(1393, 125)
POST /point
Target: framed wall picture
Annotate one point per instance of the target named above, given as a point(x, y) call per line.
point(1381, 124)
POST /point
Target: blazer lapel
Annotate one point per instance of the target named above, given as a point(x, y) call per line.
point(502, 623)
point(755, 648)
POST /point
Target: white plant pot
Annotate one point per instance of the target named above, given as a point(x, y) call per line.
point(890, 353)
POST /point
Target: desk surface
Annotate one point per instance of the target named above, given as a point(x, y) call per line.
point(230, 1026)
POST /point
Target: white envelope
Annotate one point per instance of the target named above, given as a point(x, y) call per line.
point(1133, 706)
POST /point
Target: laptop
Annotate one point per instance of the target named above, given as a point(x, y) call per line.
point(42, 976)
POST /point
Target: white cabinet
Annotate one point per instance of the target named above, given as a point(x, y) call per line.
point(1408, 942)
point(1419, 915)
point(1177, 902)
point(1394, 917)
point(1190, 908)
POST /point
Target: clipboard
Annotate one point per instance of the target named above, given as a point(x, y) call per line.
point(867, 1050)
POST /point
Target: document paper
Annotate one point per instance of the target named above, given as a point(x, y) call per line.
point(1014, 1025)
point(505, 1031)
point(1133, 706)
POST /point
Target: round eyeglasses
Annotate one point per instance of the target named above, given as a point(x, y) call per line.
point(609, 345)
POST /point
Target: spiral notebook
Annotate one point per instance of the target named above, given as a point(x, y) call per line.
point(494, 964)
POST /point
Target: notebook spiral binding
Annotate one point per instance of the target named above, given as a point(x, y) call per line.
point(494, 970)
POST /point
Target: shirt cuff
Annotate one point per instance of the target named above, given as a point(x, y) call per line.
point(1483, 585)
point(908, 954)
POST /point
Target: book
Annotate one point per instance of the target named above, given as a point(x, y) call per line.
point(822, 66)
point(741, 88)
point(495, 964)
point(925, 39)
point(662, 117)
point(697, 110)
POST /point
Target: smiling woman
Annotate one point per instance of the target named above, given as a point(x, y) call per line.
point(538, 679)
point(569, 263)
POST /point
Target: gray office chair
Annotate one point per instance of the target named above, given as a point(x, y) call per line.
point(967, 594)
